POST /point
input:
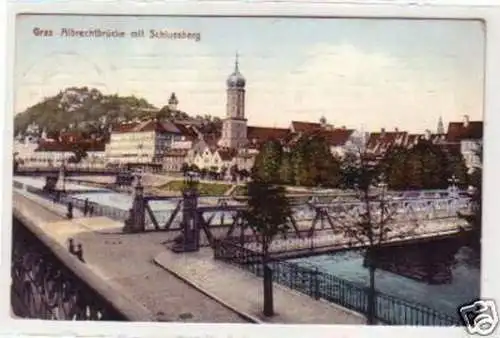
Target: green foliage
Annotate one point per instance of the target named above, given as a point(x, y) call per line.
point(204, 189)
point(82, 107)
point(475, 219)
point(425, 166)
point(268, 210)
point(268, 162)
point(85, 109)
point(308, 163)
point(358, 171)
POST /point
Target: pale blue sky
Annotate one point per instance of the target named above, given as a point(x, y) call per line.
point(370, 73)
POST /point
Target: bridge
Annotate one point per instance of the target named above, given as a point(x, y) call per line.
point(319, 224)
point(68, 171)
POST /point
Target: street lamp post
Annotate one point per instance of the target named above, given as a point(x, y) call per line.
point(453, 194)
point(382, 186)
point(453, 188)
point(189, 240)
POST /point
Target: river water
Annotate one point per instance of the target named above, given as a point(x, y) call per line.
point(440, 274)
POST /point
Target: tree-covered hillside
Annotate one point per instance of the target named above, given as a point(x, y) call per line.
point(89, 110)
point(81, 108)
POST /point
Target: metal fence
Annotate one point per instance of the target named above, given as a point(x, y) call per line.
point(65, 198)
point(321, 285)
point(44, 286)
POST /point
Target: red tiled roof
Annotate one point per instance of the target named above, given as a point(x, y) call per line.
point(227, 154)
point(304, 127)
point(70, 136)
point(336, 137)
point(412, 139)
point(176, 152)
point(457, 131)
point(87, 145)
point(186, 131)
point(385, 138)
point(211, 139)
point(263, 134)
point(149, 125)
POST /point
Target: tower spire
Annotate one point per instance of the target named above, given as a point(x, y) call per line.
point(440, 126)
point(237, 63)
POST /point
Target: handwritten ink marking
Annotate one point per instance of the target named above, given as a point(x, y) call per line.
point(179, 35)
point(42, 32)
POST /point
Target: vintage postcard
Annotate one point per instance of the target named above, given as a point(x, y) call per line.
point(249, 170)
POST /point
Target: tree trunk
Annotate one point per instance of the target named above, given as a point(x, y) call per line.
point(371, 295)
point(268, 284)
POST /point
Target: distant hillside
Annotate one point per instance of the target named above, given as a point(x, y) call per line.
point(88, 110)
point(81, 108)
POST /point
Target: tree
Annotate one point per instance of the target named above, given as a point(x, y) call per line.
point(267, 213)
point(425, 166)
point(474, 218)
point(244, 174)
point(311, 163)
point(268, 162)
point(286, 169)
point(372, 225)
point(185, 168)
point(204, 173)
point(233, 171)
point(223, 172)
point(194, 168)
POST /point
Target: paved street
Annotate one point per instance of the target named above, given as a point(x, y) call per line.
point(125, 261)
point(138, 265)
point(242, 290)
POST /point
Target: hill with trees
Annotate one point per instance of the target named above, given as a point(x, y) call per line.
point(90, 111)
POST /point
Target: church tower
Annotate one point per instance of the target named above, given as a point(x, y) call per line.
point(440, 126)
point(234, 127)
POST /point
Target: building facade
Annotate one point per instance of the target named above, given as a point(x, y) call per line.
point(468, 136)
point(141, 143)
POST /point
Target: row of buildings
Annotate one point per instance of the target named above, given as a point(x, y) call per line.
point(166, 144)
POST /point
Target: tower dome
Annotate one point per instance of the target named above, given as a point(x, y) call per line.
point(236, 80)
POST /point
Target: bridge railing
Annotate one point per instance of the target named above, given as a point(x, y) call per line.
point(68, 169)
point(50, 283)
point(322, 285)
point(65, 198)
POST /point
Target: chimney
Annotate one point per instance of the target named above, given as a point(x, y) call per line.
point(466, 121)
point(396, 129)
point(382, 131)
point(427, 134)
point(173, 102)
point(322, 122)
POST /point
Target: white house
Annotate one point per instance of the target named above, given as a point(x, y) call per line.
point(469, 136)
point(142, 143)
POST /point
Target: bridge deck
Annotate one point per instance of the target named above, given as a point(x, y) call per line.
point(126, 262)
point(130, 271)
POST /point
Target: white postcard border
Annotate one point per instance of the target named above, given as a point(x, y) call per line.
point(491, 232)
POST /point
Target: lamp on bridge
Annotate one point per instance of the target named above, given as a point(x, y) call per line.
point(191, 181)
point(61, 180)
point(138, 176)
point(137, 218)
point(453, 187)
point(189, 240)
point(382, 184)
